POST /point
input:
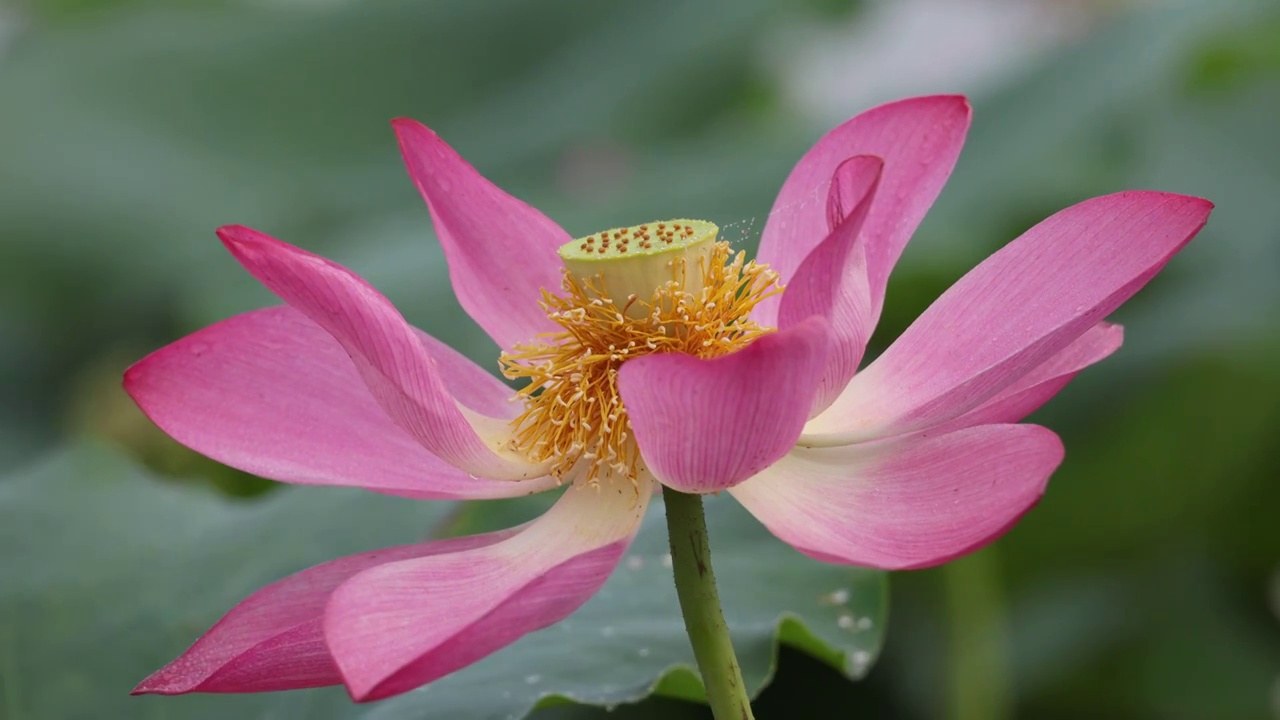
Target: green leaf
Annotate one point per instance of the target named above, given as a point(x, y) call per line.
point(109, 574)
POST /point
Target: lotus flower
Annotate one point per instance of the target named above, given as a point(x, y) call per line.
point(655, 357)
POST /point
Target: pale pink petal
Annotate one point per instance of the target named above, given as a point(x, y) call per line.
point(1036, 387)
point(501, 252)
point(908, 502)
point(404, 624)
point(1016, 310)
point(705, 425)
point(273, 394)
point(388, 354)
point(832, 281)
point(919, 140)
point(274, 640)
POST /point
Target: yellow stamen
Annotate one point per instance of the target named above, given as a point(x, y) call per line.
point(651, 301)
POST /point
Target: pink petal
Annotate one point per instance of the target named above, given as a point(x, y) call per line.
point(404, 624)
point(274, 640)
point(832, 280)
point(468, 383)
point(501, 252)
point(705, 425)
point(389, 355)
point(1036, 387)
point(1013, 312)
point(273, 394)
point(908, 502)
point(919, 140)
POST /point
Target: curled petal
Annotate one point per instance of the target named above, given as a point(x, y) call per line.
point(904, 503)
point(468, 383)
point(1013, 312)
point(1036, 387)
point(919, 140)
point(388, 354)
point(705, 425)
point(403, 624)
point(501, 252)
point(273, 394)
point(273, 640)
point(832, 280)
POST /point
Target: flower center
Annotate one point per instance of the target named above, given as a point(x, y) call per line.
point(656, 288)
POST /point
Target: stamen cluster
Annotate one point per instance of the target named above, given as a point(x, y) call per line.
point(574, 415)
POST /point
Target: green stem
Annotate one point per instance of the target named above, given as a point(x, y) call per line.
point(700, 603)
point(980, 682)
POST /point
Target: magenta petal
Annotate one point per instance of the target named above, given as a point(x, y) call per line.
point(501, 252)
point(919, 140)
point(1036, 387)
point(908, 502)
point(832, 281)
point(1013, 312)
point(388, 354)
point(404, 624)
point(705, 425)
point(273, 394)
point(273, 640)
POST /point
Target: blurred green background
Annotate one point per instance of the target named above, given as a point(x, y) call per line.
point(1146, 585)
